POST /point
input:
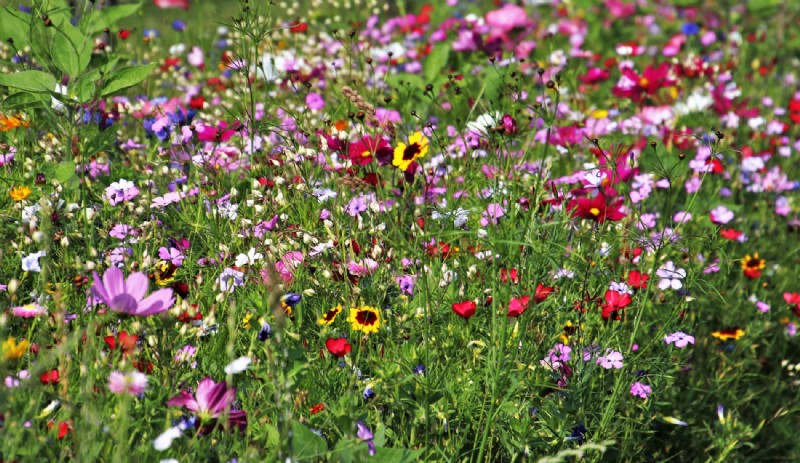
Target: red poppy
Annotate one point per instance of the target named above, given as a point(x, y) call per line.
point(338, 346)
point(49, 377)
point(614, 303)
point(596, 208)
point(518, 305)
point(638, 280)
point(465, 309)
point(542, 292)
point(123, 34)
point(361, 152)
point(316, 408)
point(298, 27)
point(64, 427)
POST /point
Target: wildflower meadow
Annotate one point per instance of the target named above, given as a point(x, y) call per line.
point(354, 231)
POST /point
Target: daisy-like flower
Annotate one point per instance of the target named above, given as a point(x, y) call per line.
point(729, 334)
point(365, 319)
point(12, 122)
point(30, 263)
point(752, 265)
point(20, 193)
point(29, 310)
point(330, 315)
point(404, 154)
point(133, 383)
point(127, 295)
point(209, 401)
point(670, 277)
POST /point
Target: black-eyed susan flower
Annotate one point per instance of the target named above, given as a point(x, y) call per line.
point(365, 319)
point(163, 273)
point(752, 265)
point(728, 334)
point(330, 315)
point(416, 148)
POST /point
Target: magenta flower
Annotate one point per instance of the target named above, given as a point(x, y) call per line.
point(640, 390)
point(210, 401)
point(29, 310)
point(612, 359)
point(127, 295)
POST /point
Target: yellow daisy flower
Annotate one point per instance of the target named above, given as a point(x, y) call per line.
point(19, 193)
point(329, 316)
point(13, 350)
point(365, 319)
point(404, 154)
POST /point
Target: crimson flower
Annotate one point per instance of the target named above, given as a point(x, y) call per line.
point(541, 293)
point(638, 280)
point(512, 274)
point(49, 377)
point(615, 302)
point(361, 152)
point(518, 305)
point(596, 208)
point(127, 342)
point(465, 309)
point(338, 346)
point(793, 299)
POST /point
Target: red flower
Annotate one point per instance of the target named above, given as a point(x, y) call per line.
point(596, 209)
point(518, 305)
point(638, 280)
point(338, 346)
point(49, 377)
point(541, 293)
point(317, 408)
point(793, 299)
point(123, 34)
point(651, 80)
point(615, 302)
point(594, 75)
point(730, 234)
point(504, 275)
point(361, 152)
point(465, 309)
point(298, 27)
point(127, 342)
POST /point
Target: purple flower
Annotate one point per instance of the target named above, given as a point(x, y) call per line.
point(679, 338)
point(230, 279)
point(406, 283)
point(366, 435)
point(120, 191)
point(127, 295)
point(492, 214)
point(133, 383)
point(315, 101)
point(210, 401)
point(173, 255)
point(356, 206)
point(612, 359)
point(640, 390)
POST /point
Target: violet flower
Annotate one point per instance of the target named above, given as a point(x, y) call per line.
point(127, 295)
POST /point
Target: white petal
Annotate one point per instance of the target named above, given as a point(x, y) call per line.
point(237, 366)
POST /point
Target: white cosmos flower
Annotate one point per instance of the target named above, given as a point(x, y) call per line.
point(237, 366)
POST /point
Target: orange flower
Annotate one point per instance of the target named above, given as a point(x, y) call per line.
point(729, 333)
point(18, 193)
point(752, 266)
point(12, 122)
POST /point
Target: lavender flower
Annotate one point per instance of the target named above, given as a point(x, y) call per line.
point(127, 295)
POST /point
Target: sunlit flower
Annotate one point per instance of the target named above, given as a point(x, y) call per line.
point(210, 400)
point(365, 319)
point(752, 265)
point(679, 339)
point(13, 350)
point(12, 122)
point(20, 193)
point(404, 154)
point(29, 310)
point(133, 383)
point(127, 295)
point(330, 315)
point(729, 334)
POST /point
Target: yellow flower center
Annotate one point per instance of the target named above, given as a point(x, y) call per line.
point(594, 211)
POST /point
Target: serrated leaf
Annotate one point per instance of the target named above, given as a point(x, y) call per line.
point(108, 16)
point(72, 50)
point(29, 81)
point(307, 446)
point(436, 61)
point(126, 77)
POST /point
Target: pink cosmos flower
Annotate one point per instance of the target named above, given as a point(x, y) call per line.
point(508, 17)
point(133, 383)
point(29, 310)
point(210, 401)
point(128, 295)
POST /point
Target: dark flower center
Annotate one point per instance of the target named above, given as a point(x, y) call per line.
point(754, 263)
point(411, 151)
point(330, 315)
point(366, 317)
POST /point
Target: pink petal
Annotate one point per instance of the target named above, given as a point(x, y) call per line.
point(114, 282)
point(184, 399)
point(136, 285)
point(157, 302)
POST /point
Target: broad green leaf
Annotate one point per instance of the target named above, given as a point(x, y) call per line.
point(15, 25)
point(65, 171)
point(25, 100)
point(30, 81)
point(72, 50)
point(87, 85)
point(126, 77)
point(436, 61)
point(108, 16)
point(307, 446)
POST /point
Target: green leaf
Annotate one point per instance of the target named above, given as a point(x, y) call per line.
point(436, 61)
point(29, 81)
point(108, 16)
point(64, 172)
point(25, 100)
point(126, 77)
point(416, 81)
point(396, 455)
point(15, 25)
point(763, 6)
point(72, 50)
point(307, 446)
